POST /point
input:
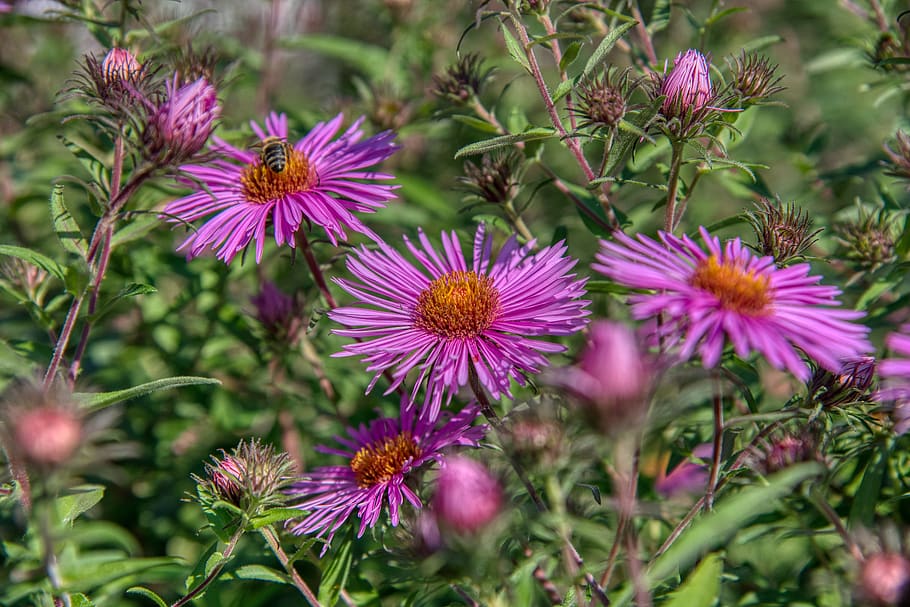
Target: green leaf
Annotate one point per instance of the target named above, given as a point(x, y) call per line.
point(724, 14)
point(65, 226)
point(147, 594)
point(370, 59)
point(565, 87)
point(89, 159)
point(80, 600)
point(903, 244)
point(476, 123)
point(569, 55)
point(862, 511)
point(495, 143)
point(335, 574)
point(130, 290)
point(605, 46)
point(660, 17)
point(36, 259)
point(515, 51)
point(274, 515)
point(90, 573)
point(702, 587)
point(100, 400)
point(261, 572)
point(82, 498)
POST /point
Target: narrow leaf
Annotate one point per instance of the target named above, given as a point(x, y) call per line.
point(569, 55)
point(274, 515)
point(605, 46)
point(702, 586)
point(65, 226)
point(36, 259)
point(515, 50)
point(262, 573)
point(335, 575)
point(660, 17)
point(565, 87)
point(488, 145)
point(862, 512)
point(147, 594)
point(100, 400)
point(130, 290)
point(81, 499)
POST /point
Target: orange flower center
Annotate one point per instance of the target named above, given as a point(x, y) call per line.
point(261, 184)
point(458, 305)
point(737, 289)
point(380, 461)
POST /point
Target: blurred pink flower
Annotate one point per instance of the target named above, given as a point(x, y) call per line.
point(688, 476)
point(467, 496)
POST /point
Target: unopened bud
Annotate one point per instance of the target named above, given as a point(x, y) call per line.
point(467, 496)
point(495, 180)
point(48, 435)
point(119, 65)
point(280, 314)
point(755, 79)
point(884, 581)
point(179, 126)
point(783, 231)
point(462, 81)
point(602, 102)
point(687, 86)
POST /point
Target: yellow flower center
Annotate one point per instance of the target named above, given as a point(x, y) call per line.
point(737, 289)
point(458, 305)
point(262, 185)
point(380, 461)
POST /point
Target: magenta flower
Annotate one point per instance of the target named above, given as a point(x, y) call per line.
point(728, 293)
point(381, 458)
point(448, 316)
point(323, 183)
point(179, 126)
point(895, 374)
point(687, 86)
point(688, 476)
point(467, 496)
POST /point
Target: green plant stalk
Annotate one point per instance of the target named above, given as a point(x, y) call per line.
point(271, 539)
point(216, 571)
point(676, 157)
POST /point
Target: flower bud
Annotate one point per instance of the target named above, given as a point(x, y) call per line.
point(467, 496)
point(850, 385)
point(754, 78)
point(495, 180)
point(870, 241)
point(884, 581)
point(899, 165)
point(612, 380)
point(688, 85)
point(783, 232)
point(119, 66)
point(226, 476)
point(180, 125)
point(252, 477)
point(48, 435)
point(279, 313)
point(462, 81)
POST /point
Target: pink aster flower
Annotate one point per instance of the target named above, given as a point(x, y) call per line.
point(381, 458)
point(728, 293)
point(448, 315)
point(323, 182)
point(467, 496)
point(895, 374)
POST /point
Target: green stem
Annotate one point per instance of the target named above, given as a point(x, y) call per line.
point(225, 555)
point(672, 186)
point(271, 539)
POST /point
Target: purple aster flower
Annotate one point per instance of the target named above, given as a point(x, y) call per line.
point(381, 458)
point(322, 182)
point(467, 496)
point(688, 476)
point(447, 316)
point(729, 293)
point(179, 126)
point(895, 374)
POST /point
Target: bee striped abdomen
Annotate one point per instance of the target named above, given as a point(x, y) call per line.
point(274, 154)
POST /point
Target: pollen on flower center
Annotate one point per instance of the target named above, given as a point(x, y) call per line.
point(380, 461)
point(458, 305)
point(262, 185)
point(737, 289)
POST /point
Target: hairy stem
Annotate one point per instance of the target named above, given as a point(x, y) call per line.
point(718, 444)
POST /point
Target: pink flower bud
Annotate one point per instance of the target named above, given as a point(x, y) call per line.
point(688, 85)
point(885, 580)
point(179, 127)
point(227, 478)
point(48, 434)
point(119, 65)
point(467, 496)
point(686, 477)
point(278, 312)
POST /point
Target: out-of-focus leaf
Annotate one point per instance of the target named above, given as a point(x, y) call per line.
point(495, 143)
point(149, 594)
point(80, 600)
point(476, 123)
point(65, 226)
point(335, 573)
point(87, 572)
point(89, 160)
point(862, 511)
point(274, 515)
point(36, 259)
point(660, 17)
point(370, 59)
point(569, 54)
point(715, 18)
point(605, 46)
point(79, 500)
point(100, 400)
point(131, 290)
point(702, 587)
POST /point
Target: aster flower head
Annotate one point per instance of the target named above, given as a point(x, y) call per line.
point(323, 183)
point(727, 294)
point(446, 317)
point(467, 496)
point(603, 101)
point(180, 125)
point(849, 385)
point(754, 78)
point(382, 458)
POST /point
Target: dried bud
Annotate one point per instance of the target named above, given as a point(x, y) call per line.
point(900, 158)
point(754, 78)
point(44, 429)
point(280, 314)
point(687, 87)
point(783, 232)
point(191, 65)
point(496, 180)
point(602, 103)
point(180, 125)
point(612, 380)
point(688, 477)
point(252, 477)
point(849, 386)
point(467, 496)
point(884, 581)
point(463, 80)
point(869, 241)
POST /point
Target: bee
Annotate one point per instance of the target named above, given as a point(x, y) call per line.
point(273, 151)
